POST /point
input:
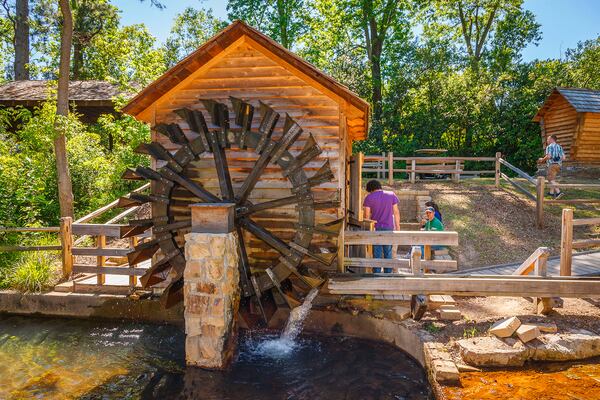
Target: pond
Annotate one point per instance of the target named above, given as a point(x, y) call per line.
point(79, 359)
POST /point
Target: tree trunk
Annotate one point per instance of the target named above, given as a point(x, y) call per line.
point(65, 190)
point(376, 81)
point(77, 60)
point(21, 42)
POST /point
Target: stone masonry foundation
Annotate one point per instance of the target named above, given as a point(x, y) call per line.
point(211, 298)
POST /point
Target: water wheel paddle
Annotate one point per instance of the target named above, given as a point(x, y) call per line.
point(167, 223)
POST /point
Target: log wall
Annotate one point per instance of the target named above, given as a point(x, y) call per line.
point(560, 120)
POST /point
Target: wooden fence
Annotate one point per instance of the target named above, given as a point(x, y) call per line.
point(567, 244)
point(67, 232)
point(535, 189)
point(385, 165)
point(400, 238)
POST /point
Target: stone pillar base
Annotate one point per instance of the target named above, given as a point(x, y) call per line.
point(211, 298)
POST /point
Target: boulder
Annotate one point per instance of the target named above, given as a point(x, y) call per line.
point(490, 351)
point(493, 352)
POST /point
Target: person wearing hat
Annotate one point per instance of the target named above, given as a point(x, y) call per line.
point(431, 222)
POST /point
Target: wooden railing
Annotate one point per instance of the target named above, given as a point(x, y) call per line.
point(535, 189)
point(567, 244)
point(65, 234)
point(385, 166)
point(401, 238)
point(99, 232)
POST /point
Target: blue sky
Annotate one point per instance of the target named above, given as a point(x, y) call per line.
point(564, 22)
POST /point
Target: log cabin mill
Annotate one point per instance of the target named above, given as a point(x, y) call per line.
point(89, 98)
point(244, 120)
point(573, 114)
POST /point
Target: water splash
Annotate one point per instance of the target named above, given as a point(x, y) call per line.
point(286, 343)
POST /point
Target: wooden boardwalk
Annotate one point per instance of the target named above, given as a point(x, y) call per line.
point(584, 264)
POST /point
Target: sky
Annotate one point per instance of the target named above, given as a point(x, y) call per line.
point(564, 22)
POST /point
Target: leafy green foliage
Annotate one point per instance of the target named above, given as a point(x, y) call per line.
point(28, 195)
point(190, 29)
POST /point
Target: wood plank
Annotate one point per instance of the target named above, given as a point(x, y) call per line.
point(582, 244)
point(109, 230)
point(125, 270)
point(513, 286)
point(433, 265)
point(30, 229)
point(403, 238)
point(586, 221)
point(94, 251)
point(29, 248)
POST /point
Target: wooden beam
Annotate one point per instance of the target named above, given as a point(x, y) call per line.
point(539, 201)
point(586, 221)
point(92, 269)
point(109, 230)
point(94, 251)
point(464, 285)
point(107, 207)
point(528, 265)
point(402, 238)
point(432, 265)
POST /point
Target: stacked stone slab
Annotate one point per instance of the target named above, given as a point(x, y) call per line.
point(211, 298)
point(412, 203)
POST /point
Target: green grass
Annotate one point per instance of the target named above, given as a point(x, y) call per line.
point(34, 272)
point(31, 271)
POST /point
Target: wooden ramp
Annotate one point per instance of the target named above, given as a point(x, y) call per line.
point(584, 264)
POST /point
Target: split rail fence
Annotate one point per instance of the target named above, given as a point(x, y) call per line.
point(99, 233)
point(534, 188)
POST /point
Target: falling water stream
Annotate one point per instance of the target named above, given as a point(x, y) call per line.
point(286, 342)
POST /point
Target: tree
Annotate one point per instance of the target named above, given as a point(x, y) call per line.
point(282, 20)
point(91, 18)
point(19, 18)
point(65, 190)
point(190, 29)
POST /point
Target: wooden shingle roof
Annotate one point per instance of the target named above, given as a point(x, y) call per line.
point(582, 100)
point(88, 93)
point(357, 109)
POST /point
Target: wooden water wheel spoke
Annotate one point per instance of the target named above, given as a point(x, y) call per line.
point(268, 205)
point(176, 185)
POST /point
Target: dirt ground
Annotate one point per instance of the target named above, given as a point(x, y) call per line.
point(495, 226)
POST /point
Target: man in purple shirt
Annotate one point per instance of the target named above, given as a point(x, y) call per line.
point(382, 207)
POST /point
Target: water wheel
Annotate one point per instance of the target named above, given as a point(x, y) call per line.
point(168, 227)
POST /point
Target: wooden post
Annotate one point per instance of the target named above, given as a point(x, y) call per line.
point(415, 261)
point(66, 240)
point(566, 242)
point(133, 241)
point(418, 302)
point(427, 251)
point(544, 305)
point(390, 168)
point(456, 176)
point(497, 169)
point(539, 207)
point(100, 260)
point(413, 168)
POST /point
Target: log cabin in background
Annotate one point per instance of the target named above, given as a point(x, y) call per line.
point(573, 115)
point(231, 90)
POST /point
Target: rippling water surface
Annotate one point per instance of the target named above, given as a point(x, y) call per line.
point(77, 359)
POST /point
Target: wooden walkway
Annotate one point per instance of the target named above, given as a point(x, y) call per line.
point(584, 264)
